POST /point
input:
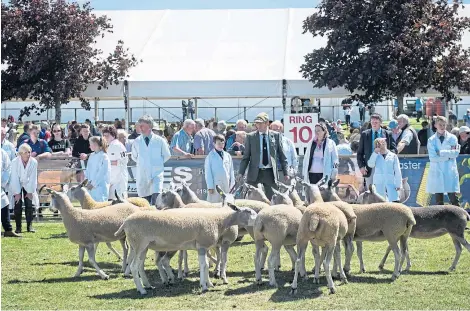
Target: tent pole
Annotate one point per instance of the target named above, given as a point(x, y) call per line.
point(96, 110)
point(195, 107)
point(284, 94)
point(126, 102)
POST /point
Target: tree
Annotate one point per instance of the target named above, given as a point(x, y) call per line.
point(49, 53)
point(389, 48)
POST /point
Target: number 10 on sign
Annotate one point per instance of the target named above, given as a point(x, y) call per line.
point(299, 127)
point(302, 134)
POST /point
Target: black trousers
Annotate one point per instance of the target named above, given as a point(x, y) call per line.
point(314, 177)
point(152, 199)
point(452, 197)
point(6, 219)
point(266, 177)
point(419, 114)
point(28, 210)
point(348, 119)
point(361, 114)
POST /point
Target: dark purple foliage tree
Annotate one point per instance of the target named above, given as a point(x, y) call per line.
point(49, 53)
point(389, 48)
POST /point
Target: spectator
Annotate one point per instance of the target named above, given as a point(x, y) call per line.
point(203, 139)
point(81, 150)
point(452, 118)
point(387, 173)
point(191, 109)
point(366, 145)
point(182, 141)
point(455, 132)
point(355, 135)
point(229, 138)
point(443, 150)
point(74, 133)
point(98, 170)
point(4, 122)
point(40, 148)
point(354, 146)
point(45, 133)
point(23, 136)
point(371, 108)
point(122, 137)
point(123, 123)
point(218, 170)
point(419, 108)
point(238, 147)
point(347, 110)
point(423, 137)
point(289, 150)
point(101, 127)
point(118, 125)
point(396, 131)
point(221, 127)
point(263, 150)
point(136, 133)
point(7, 145)
point(58, 144)
point(6, 169)
point(23, 185)
point(360, 104)
point(466, 118)
point(117, 156)
point(346, 165)
point(296, 105)
point(93, 130)
point(241, 125)
point(407, 142)
point(332, 132)
point(184, 107)
point(150, 152)
point(464, 135)
point(321, 157)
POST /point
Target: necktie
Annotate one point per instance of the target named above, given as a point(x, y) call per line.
point(147, 140)
point(376, 134)
point(265, 151)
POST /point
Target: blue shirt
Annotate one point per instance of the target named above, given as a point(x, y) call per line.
point(183, 141)
point(261, 150)
point(372, 136)
point(39, 147)
point(419, 104)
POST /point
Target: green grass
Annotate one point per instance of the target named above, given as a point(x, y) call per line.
point(37, 274)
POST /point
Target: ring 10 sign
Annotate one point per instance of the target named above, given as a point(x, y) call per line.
point(299, 128)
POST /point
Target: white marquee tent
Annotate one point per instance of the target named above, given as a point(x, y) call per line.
point(215, 53)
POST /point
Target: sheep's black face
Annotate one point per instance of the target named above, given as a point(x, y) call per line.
point(248, 216)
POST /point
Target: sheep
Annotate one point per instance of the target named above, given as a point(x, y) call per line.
point(431, 222)
point(293, 194)
point(257, 194)
point(385, 221)
point(278, 225)
point(88, 227)
point(325, 226)
point(179, 229)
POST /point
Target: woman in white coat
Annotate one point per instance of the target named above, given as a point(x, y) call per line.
point(321, 157)
point(443, 176)
point(23, 186)
point(387, 173)
point(218, 170)
point(150, 152)
point(118, 157)
point(98, 170)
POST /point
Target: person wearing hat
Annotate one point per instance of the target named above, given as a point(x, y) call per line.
point(263, 150)
point(393, 126)
point(464, 135)
point(423, 135)
point(44, 133)
point(466, 118)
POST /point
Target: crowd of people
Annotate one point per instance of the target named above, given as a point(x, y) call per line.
point(99, 153)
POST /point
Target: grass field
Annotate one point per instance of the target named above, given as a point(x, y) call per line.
point(37, 274)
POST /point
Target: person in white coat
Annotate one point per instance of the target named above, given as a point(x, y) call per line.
point(6, 168)
point(387, 173)
point(218, 170)
point(98, 170)
point(321, 157)
point(118, 157)
point(443, 176)
point(23, 186)
point(150, 152)
point(289, 150)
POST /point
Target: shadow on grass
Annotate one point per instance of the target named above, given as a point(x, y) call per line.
point(62, 235)
point(411, 272)
point(103, 265)
point(282, 278)
point(242, 243)
point(82, 278)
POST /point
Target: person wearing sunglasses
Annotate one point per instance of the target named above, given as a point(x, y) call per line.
point(58, 144)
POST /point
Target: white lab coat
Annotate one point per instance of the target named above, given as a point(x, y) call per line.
point(387, 175)
point(150, 164)
point(98, 173)
point(119, 176)
point(290, 153)
point(6, 167)
point(26, 178)
point(218, 172)
point(330, 161)
point(443, 176)
point(9, 148)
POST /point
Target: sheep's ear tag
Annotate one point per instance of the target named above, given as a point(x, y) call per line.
point(84, 183)
point(335, 183)
point(219, 190)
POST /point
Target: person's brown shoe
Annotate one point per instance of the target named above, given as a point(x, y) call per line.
point(11, 234)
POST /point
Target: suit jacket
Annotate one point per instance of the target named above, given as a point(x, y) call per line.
point(365, 148)
point(251, 156)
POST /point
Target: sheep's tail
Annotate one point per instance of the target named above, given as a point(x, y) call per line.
point(120, 230)
point(314, 223)
point(411, 220)
point(258, 226)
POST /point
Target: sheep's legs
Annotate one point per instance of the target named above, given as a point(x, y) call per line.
point(264, 255)
point(217, 261)
point(186, 267)
point(292, 254)
point(384, 259)
point(203, 269)
point(143, 275)
point(329, 250)
point(458, 251)
point(338, 263)
point(272, 263)
point(349, 250)
point(81, 253)
point(91, 257)
point(396, 253)
point(181, 274)
point(315, 254)
point(260, 245)
point(131, 257)
point(135, 265)
point(404, 252)
point(124, 254)
point(299, 265)
point(318, 261)
point(224, 259)
point(111, 248)
point(362, 268)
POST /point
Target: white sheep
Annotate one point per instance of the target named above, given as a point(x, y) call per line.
point(179, 229)
point(89, 227)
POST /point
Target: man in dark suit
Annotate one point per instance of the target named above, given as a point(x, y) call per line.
point(263, 154)
point(366, 145)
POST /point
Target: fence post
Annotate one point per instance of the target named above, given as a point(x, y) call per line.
point(130, 118)
point(244, 113)
point(274, 117)
point(159, 114)
point(215, 111)
point(75, 112)
point(102, 114)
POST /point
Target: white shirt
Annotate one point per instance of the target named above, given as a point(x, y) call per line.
point(117, 152)
point(290, 153)
point(9, 148)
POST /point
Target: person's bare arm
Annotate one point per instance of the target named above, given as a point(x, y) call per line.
point(45, 155)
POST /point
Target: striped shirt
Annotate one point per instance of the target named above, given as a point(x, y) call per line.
point(184, 141)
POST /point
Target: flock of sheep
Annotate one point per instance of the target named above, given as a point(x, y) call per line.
point(181, 222)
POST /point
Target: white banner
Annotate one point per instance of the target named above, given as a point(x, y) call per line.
point(299, 128)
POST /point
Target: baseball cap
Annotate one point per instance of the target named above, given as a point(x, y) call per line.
point(261, 118)
point(393, 124)
point(464, 129)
